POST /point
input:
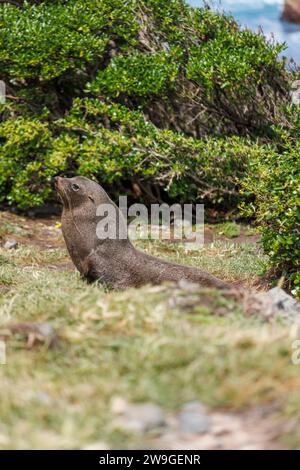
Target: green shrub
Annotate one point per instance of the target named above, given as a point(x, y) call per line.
point(22, 161)
point(275, 181)
point(116, 145)
point(133, 92)
point(43, 42)
point(57, 47)
point(137, 75)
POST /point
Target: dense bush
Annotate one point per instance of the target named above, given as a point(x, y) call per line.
point(140, 94)
point(275, 181)
point(125, 152)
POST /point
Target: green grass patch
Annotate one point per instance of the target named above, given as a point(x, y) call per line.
point(229, 229)
point(155, 344)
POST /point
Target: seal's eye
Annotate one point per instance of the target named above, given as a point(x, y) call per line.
point(75, 187)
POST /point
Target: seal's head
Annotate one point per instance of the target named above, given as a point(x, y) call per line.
point(78, 191)
point(87, 208)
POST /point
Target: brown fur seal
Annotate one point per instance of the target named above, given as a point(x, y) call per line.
point(115, 262)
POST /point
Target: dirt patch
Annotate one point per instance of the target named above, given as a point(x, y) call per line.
point(258, 428)
point(213, 234)
point(44, 233)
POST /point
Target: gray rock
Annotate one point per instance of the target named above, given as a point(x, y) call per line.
point(41, 332)
point(279, 304)
point(11, 245)
point(295, 92)
point(138, 418)
point(193, 419)
point(43, 398)
point(45, 330)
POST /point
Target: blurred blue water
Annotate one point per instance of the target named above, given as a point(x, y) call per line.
point(263, 14)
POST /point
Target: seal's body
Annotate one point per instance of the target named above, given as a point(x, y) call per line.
point(114, 262)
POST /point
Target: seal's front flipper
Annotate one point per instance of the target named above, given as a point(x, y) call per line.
point(89, 269)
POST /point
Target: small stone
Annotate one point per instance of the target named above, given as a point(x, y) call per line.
point(283, 305)
point(193, 419)
point(119, 405)
point(11, 245)
point(43, 398)
point(41, 332)
point(295, 92)
point(45, 330)
point(138, 418)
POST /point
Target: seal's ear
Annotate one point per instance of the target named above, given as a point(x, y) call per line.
point(91, 198)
